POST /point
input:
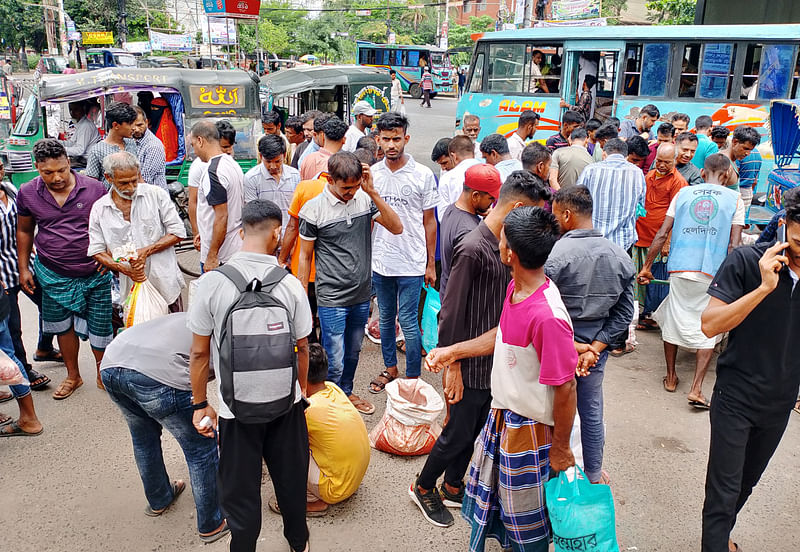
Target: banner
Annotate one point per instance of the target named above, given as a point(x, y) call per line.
point(98, 37)
point(237, 9)
point(72, 32)
point(596, 22)
point(519, 13)
point(575, 9)
point(142, 47)
point(222, 32)
point(172, 42)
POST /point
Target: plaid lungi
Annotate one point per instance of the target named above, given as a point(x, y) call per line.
point(82, 303)
point(504, 495)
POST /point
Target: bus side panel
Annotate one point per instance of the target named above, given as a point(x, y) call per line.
point(500, 114)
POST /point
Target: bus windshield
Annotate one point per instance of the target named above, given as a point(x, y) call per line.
point(28, 123)
point(125, 60)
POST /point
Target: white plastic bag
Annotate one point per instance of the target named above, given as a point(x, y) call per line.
point(9, 371)
point(144, 303)
point(409, 426)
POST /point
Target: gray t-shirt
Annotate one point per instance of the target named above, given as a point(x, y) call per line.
point(158, 349)
point(455, 225)
point(215, 294)
point(570, 162)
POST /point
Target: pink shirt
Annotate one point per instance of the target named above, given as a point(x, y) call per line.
point(314, 163)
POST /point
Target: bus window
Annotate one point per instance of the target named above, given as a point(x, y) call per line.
point(398, 58)
point(412, 59)
point(655, 68)
point(752, 60)
point(606, 69)
point(776, 65)
point(367, 56)
point(551, 69)
point(689, 64)
point(715, 72)
point(633, 70)
point(476, 84)
point(506, 67)
point(796, 79)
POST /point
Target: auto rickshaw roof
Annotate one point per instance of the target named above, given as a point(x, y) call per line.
point(784, 122)
point(303, 79)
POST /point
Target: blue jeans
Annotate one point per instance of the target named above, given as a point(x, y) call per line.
point(403, 291)
point(148, 406)
point(7, 346)
point(590, 409)
point(342, 330)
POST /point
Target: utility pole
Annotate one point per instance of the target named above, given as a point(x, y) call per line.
point(122, 25)
point(526, 23)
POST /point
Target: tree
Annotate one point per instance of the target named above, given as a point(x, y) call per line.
point(612, 9)
point(671, 12)
point(21, 25)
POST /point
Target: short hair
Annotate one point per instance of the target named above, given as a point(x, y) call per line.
point(365, 156)
point(579, 134)
point(461, 145)
point(790, 201)
point(259, 212)
point(575, 198)
point(367, 143)
point(321, 119)
point(528, 116)
point(716, 162)
point(317, 364)
point(593, 124)
point(703, 122)
point(206, 130)
point(615, 121)
point(440, 149)
point(685, 137)
point(681, 117)
point(720, 132)
point(226, 131)
point(392, 72)
point(271, 118)
point(637, 145)
point(310, 115)
point(344, 166)
point(391, 121)
point(524, 185)
point(531, 233)
point(271, 146)
point(572, 117)
point(651, 111)
point(48, 148)
point(606, 132)
point(120, 113)
point(334, 129)
point(666, 129)
point(616, 145)
point(747, 134)
point(140, 111)
point(496, 143)
point(470, 116)
point(295, 122)
point(120, 161)
point(533, 154)
point(590, 81)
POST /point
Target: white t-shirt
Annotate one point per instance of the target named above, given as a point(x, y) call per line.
point(352, 136)
point(397, 91)
point(221, 181)
point(409, 191)
point(451, 184)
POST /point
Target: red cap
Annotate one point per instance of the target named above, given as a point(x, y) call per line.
point(483, 178)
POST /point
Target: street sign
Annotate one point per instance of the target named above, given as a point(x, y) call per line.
point(364, 13)
point(98, 37)
point(237, 9)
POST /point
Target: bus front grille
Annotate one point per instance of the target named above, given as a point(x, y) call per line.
point(19, 161)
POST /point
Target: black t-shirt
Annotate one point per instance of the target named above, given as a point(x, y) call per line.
point(760, 367)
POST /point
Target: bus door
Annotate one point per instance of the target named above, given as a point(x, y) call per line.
point(599, 60)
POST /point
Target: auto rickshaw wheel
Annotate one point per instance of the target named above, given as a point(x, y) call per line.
point(415, 90)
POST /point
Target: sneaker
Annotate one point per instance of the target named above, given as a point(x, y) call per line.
point(452, 500)
point(431, 506)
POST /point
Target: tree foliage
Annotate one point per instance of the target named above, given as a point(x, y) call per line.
point(21, 25)
point(612, 9)
point(671, 12)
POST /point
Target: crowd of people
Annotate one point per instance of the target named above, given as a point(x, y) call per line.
point(549, 252)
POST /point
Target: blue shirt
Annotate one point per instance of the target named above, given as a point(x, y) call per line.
point(748, 169)
point(312, 147)
point(705, 147)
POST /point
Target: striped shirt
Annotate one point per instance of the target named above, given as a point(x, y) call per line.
point(748, 169)
point(617, 187)
point(473, 300)
point(98, 152)
point(152, 160)
point(9, 265)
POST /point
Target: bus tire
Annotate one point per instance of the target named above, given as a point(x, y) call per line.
point(415, 90)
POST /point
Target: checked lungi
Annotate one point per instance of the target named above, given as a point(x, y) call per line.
point(504, 495)
point(82, 303)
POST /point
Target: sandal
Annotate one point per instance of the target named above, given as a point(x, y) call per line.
point(14, 430)
point(178, 487)
point(38, 380)
point(401, 345)
point(273, 506)
point(5, 419)
point(216, 535)
point(361, 405)
point(376, 385)
point(5, 396)
point(616, 353)
point(51, 356)
point(67, 388)
point(647, 325)
point(667, 389)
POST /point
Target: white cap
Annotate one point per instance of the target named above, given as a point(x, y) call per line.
point(363, 108)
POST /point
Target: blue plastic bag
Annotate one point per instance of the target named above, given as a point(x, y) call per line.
point(430, 319)
point(581, 514)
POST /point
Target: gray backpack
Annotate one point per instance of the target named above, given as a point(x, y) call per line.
point(257, 350)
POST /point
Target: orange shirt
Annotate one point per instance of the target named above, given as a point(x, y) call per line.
point(305, 191)
point(658, 196)
point(314, 163)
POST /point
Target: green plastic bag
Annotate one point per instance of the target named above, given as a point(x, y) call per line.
point(430, 319)
point(581, 514)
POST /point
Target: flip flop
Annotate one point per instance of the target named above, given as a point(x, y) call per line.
point(667, 389)
point(66, 389)
point(380, 384)
point(5, 396)
point(361, 405)
point(622, 352)
point(37, 379)
point(51, 356)
point(13, 430)
point(214, 537)
point(644, 326)
point(177, 488)
point(273, 506)
point(8, 420)
point(700, 405)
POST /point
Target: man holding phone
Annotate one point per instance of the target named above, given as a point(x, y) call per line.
point(752, 297)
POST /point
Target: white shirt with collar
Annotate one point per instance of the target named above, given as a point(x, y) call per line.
point(352, 136)
point(515, 146)
point(451, 185)
point(260, 184)
point(85, 135)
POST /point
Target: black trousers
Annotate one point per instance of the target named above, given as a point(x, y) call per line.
point(283, 444)
point(453, 449)
point(426, 97)
point(742, 442)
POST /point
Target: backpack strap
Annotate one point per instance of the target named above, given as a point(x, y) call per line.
point(273, 278)
point(234, 276)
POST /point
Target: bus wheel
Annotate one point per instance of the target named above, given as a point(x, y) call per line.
point(415, 91)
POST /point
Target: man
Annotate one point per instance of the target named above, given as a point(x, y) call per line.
point(440, 154)
point(271, 123)
point(295, 136)
point(142, 215)
point(752, 298)
point(568, 163)
point(120, 118)
point(585, 104)
point(470, 309)
point(638, 152)
point(719, 135)
point(494, 149)
point(307, 119)
point(749, 169)
point(707, 220)
point(526, 128)
point(526, 436)
point(641, 125)
point(426, 82)
point(462, 154)
point(680, 121)
point(482, 185)
point(146, 373)
point(402, 263)
point(608, 131)
point(472, 129)
point(591, 127)
point(54, 213)
point(595, 278)
point(686, 146)
point(333, 132)
point(537, 159)
point(317, 137)
point(664, 135)
point(283, 442)
point(744, 141)
point(85, 134)
point(272, 179)
point(219, 198)
point(363, 113)
point(150, 150)
point(570, 120)
point(705, 146)
point(662, 184)
point(336, 227)
point(398, 102)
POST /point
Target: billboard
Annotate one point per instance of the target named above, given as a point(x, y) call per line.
point(171, 42)
point(238, 9)
point(222, 32)
point(98, 37)
point(575, 9)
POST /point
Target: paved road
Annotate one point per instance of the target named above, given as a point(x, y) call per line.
point(76, 488)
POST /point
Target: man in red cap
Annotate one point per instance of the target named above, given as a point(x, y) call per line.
point(481, 187)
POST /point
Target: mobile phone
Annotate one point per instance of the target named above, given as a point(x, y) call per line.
point(781, 233)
